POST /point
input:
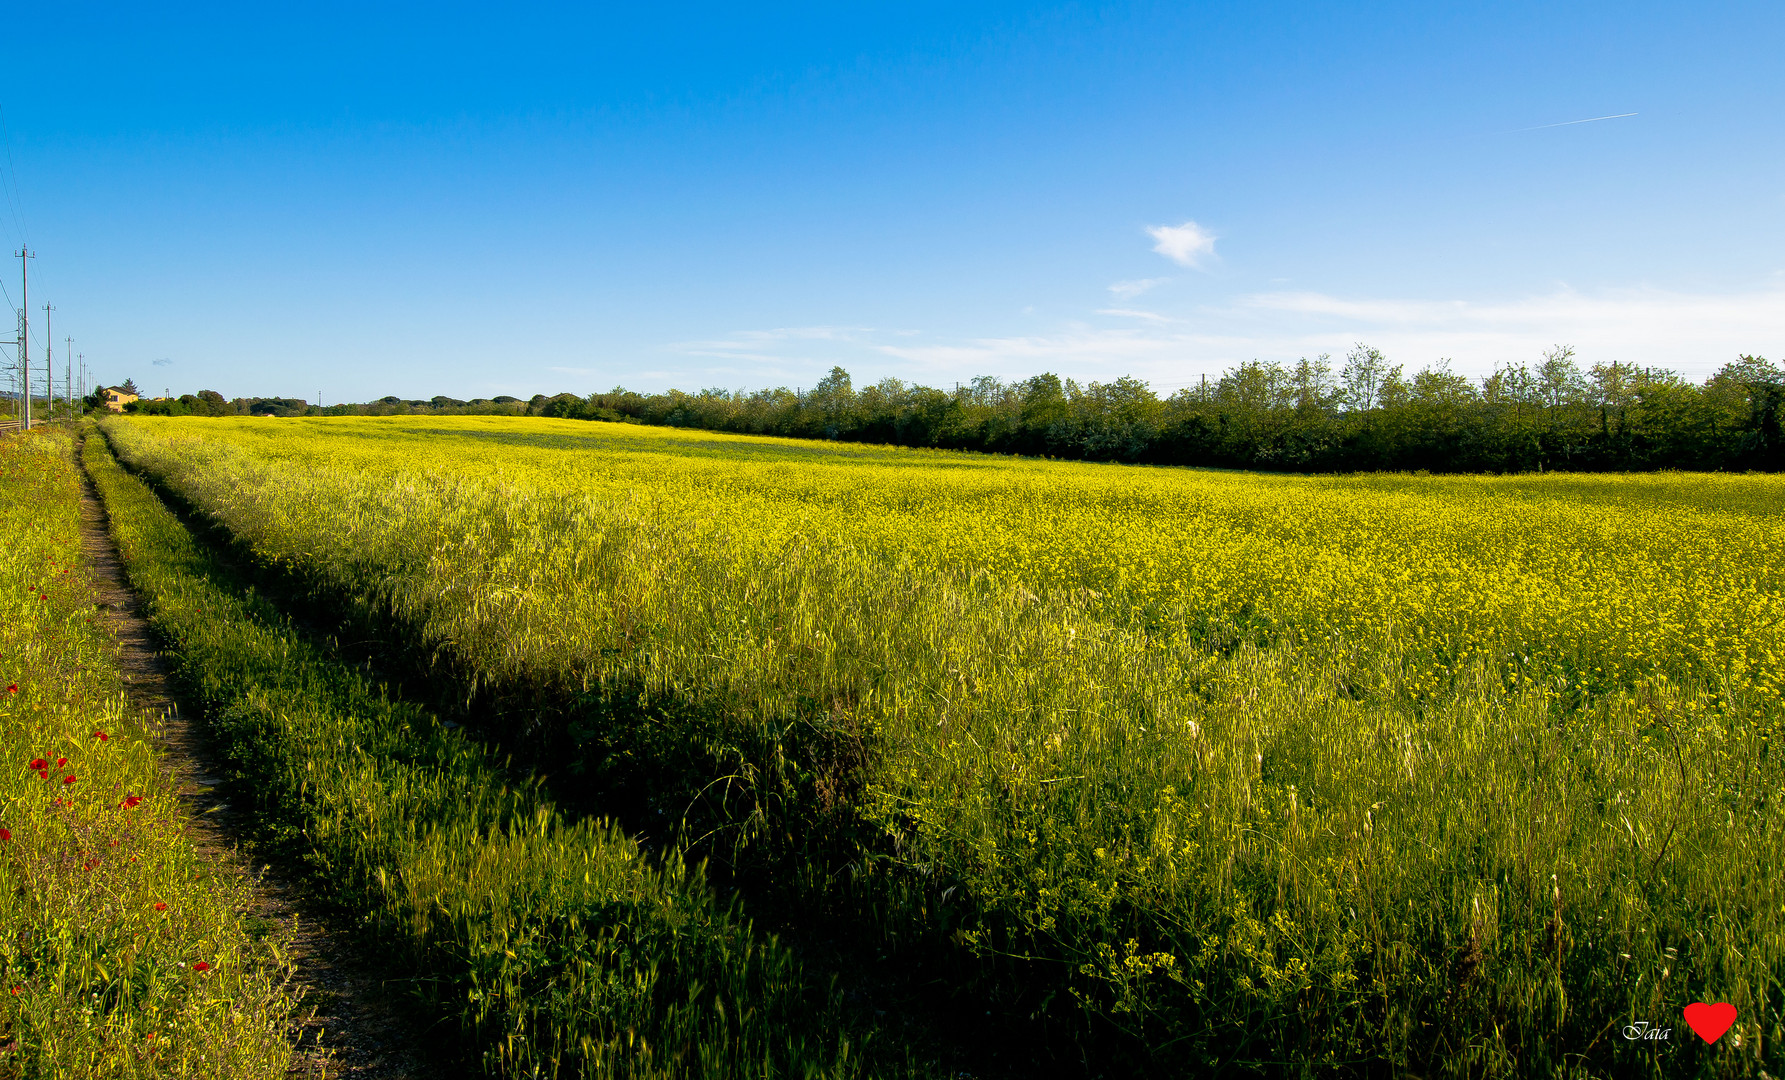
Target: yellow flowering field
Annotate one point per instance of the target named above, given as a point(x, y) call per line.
point(1182, 769)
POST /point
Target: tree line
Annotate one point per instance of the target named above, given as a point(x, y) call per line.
point(1366, 415)
point(1362, 414)
point(212, 403)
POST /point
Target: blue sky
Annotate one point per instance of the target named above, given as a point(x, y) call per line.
point(474, 201)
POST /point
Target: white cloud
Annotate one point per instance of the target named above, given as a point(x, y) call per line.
point(1134, 313)
point(1188, 244)
point(1128, 290)
point(756, 339)
point(1691, 333)
point(769, 346)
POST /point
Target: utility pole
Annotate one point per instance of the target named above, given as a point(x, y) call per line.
point(25, 333)
point(49, 368)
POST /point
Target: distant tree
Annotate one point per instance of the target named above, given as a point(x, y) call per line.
point(129, 387)
point(1559, 378)
point(985, 390)
point(1612, 385)
point(1255, 386)
point(1311, 383)
point(1044, 401)
point(1040, 420)
point(1748, 399)
point(1438, 384)
point(1119, 420)
point(1395, 390)
point(1366, 370)
point(565, 406)
point(833, 399)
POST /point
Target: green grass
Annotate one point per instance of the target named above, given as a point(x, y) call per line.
point(544, 947)
point(1452, 777)
point(107, 910)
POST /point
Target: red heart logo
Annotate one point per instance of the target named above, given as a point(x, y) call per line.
point(1710, 1021)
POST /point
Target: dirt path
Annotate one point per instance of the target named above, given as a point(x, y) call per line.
point(353, 1033)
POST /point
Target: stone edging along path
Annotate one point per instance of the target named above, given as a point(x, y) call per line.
point(352, 1032)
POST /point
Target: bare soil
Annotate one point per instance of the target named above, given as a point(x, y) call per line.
point(353, 1031)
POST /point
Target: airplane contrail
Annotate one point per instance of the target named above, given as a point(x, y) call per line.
point(1565, 123)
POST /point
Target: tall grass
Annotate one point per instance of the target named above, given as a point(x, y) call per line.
point(124, 950)
point(554, 948)
point(1174, 773)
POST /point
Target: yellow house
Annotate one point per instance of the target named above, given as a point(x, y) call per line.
point(114, 398)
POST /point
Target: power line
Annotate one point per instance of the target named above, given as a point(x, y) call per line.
point(49, 367)
point(25, 258)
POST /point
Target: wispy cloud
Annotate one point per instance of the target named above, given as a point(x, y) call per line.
point(1128, 290)
point(1571, 123)
point(1133, 313)
point(801, 333)
point(763, 357)
point(1188, 244)
point(769, 345)
point(1079, 349)
point(1646, 320)
point(1692, 333)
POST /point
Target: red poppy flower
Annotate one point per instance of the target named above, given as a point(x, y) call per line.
point(13, 689)
point(101, 736)
point(201, 966)
point(68, 779)
point(61, 761)
point(130, 802)
point(5, 835)
point(43, 774)
point(38, 763)
point(161, 905)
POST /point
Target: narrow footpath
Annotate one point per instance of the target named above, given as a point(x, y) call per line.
point(353, 1032)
